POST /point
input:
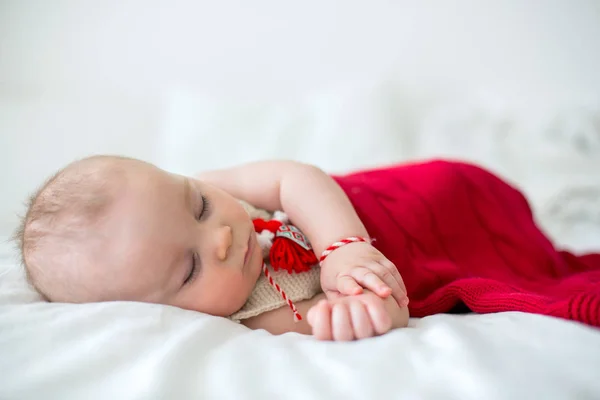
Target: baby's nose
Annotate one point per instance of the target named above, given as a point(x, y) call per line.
point(224, 241)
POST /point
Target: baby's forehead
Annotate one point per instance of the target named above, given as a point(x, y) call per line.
point(123, 177)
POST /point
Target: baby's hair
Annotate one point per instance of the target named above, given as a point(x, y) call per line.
point(60, 219)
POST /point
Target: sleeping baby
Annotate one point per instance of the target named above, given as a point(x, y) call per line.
point(285, 247)
point(112, 228)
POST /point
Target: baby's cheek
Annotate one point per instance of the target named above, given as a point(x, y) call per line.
point(234, 291)
point(245, 288)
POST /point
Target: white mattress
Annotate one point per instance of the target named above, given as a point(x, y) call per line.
point(140, 351)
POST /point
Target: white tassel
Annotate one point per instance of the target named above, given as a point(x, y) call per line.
point(281, 217)
point(265, 240)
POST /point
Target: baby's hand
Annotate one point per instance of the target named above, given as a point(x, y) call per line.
point(349, 318)
point(350, 268)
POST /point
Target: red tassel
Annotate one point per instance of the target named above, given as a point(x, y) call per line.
point(291, 251)
point(261, 225)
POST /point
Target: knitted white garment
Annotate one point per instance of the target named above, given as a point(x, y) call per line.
point(297, 286)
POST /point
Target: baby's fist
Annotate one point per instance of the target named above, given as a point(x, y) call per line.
point(349, 318)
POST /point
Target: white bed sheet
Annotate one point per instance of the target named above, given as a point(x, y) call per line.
point(141, 351)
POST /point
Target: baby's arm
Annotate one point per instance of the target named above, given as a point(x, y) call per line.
point(280, 320)
point(317, 205)
point(381, 316)
point(311, 199)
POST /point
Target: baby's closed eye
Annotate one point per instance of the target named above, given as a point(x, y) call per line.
point(206, 208)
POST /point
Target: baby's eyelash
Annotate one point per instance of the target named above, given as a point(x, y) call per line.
point(193, 270)
point(205, 208)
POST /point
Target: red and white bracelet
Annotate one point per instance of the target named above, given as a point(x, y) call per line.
point(343, 242)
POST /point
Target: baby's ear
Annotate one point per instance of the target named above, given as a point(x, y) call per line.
point(255, 212)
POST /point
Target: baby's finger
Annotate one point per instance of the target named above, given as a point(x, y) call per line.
point(361, 322)
point(366, 277)
point(333, 295)
point(398, 292)
point(381, 320)
point(310, 315)
point(394, 271)
point(396, 282)
point(347, 285)
point(390, 285)
point(341, 326)
point(320, 320)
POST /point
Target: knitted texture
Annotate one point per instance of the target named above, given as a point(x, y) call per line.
point(459, 234)
point(298, 287)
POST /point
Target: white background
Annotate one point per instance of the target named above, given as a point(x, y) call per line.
point(83, 77)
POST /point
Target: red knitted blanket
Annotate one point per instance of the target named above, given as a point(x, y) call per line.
point(460, 235)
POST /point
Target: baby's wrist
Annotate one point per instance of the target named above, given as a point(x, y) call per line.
point(341, 243)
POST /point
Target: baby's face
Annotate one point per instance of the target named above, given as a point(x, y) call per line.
point(175, 240)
